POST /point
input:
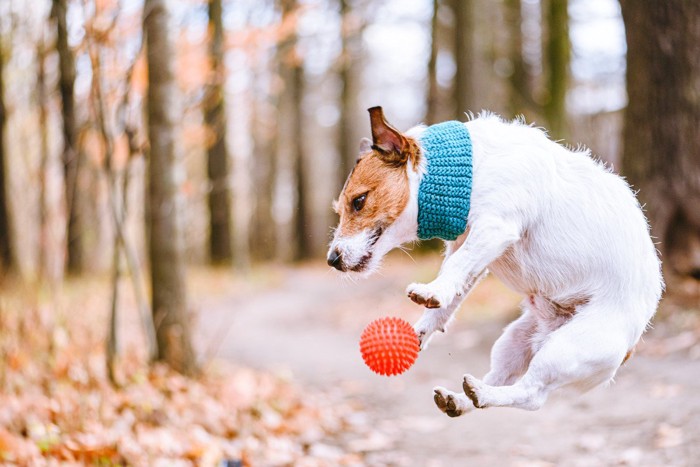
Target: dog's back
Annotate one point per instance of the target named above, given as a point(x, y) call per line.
point(585, 238)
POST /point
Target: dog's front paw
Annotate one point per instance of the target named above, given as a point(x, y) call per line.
point(427, 325)
point(451, 403)
point(423, 295)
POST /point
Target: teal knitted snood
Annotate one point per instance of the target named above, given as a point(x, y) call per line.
point(445, 190)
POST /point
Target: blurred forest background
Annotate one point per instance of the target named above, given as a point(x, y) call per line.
point(140, 138)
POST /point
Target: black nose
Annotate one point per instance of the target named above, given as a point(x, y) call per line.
point(334, 260)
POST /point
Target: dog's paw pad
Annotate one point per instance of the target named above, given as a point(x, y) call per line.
point(471, 387)
point(452, 409)
point(428, 302)
point(440, 400)
point(421, 296)
point(448, 402)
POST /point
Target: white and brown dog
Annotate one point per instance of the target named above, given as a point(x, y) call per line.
point(551, 223)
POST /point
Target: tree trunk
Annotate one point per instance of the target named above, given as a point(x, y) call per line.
point(433, 90)
point(42, 102)
point(520, 95)
point(217, 154)
point(302, 222)
point(291, 136)
point(661, 138)
point(6, 259)
point(557, 51)
point(347, 143)
point(464, 56)
point(167, 245)
point(71, 155)
point(263, 232)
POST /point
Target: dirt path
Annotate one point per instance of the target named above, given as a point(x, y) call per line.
point(307, 322)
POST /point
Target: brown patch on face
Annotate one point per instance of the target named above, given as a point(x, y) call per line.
point(386, 187)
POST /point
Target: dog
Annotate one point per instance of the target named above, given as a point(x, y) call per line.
point(552, 223)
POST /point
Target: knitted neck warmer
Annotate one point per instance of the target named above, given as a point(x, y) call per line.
point(445, 190)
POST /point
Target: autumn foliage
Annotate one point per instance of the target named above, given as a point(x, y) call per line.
point(58, 404)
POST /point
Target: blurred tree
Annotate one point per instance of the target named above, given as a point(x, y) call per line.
point(167, 242)
point(71, 154)
point(347, 141)
point(464, 56)
point(106, 101)
point(42, 103)
point(557, 54)
point(264, 167)
point(520, 98)
point(6, 261)
point(291, 127)
point(433, 90)
point(661, 156)
point(217, 153)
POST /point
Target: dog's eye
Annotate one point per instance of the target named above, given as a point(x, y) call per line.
point(359, 202)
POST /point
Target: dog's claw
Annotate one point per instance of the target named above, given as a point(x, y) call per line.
point(420, 340)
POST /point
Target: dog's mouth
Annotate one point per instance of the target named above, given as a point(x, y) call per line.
point(365, 260)
point(362, 264)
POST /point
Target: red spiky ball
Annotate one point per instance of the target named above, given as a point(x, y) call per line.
point(389, 346)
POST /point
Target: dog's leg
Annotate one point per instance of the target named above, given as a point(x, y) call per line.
point(437, 319)
point(512, 352)
point(584, 352)
point(432, 320)
point(510, 357)
point(488, 238)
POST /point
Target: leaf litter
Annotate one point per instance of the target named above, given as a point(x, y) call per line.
point(57, 406)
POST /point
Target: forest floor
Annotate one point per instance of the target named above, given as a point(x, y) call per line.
point(304, 323)
point(283, 382)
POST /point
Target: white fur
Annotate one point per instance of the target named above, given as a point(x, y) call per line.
point(557, 227)
point(353, 248)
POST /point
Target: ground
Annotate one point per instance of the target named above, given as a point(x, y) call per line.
point(305, 323)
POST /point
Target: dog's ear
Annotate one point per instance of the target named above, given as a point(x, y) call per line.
point(389, 143)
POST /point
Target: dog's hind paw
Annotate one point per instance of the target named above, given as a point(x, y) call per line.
point(451, 403)
point(421, 295)
point(472, 388)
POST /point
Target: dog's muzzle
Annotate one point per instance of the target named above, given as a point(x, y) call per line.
point(335, 256)
point(335, 260)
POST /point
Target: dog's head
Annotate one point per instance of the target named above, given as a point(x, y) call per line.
point(374, 198)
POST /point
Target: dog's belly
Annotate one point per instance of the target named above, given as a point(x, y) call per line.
point(537, 272)
point(552, 299)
